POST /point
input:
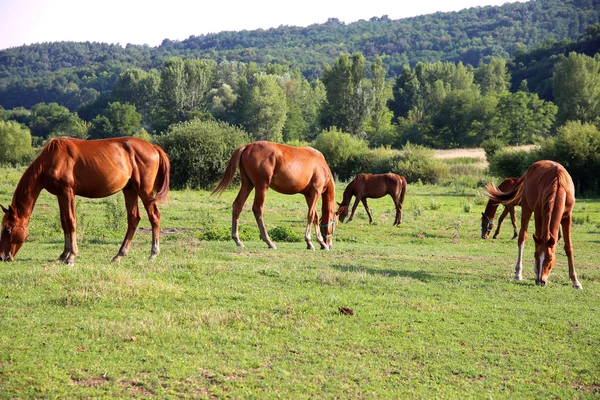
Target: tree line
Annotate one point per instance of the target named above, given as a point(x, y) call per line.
point(73, 73)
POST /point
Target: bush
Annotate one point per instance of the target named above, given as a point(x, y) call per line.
point(509, 163)
point(15, 143)
point(492, 146)
point(416, 162)
point(344, 153)
point(577, 148)
point(199, 151)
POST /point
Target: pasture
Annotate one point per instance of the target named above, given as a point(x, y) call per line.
point(436, 311)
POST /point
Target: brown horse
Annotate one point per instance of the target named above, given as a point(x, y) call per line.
point(90, 168)
point(287, 170)
point(487, 217)
point(373, 186)
point(546, 190)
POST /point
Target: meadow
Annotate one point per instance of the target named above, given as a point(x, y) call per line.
point(436, 312)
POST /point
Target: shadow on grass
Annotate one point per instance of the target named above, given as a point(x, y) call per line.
point(418, 275)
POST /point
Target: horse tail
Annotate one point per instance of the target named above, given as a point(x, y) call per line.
point(163, 177)
point(510, 198)
point(403, 190)
point(229, 173)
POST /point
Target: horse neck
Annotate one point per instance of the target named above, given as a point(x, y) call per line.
point(328, 202)
point(490, 209)
point(27, 191)
point(348, 193)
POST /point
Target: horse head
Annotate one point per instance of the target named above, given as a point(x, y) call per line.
point(342, 211)
point(545, 258)
point(487, 224)
point(14, 232)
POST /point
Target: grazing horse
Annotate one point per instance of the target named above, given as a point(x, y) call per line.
point(545, 190)
point(373, 186)
point(487, 217)
point(68, 167)
point(287, 170)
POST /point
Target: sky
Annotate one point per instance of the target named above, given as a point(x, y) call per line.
point(151, 21)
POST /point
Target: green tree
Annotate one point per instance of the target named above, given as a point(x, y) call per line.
point(576, 88)
point(266, 111)
point(124, 119)
point(493, 77)
point(346, 104)
point(379, 127)
point(140, 88)
point(15, 143)
point(54, 120)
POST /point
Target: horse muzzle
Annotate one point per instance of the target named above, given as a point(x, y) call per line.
point(7, 257)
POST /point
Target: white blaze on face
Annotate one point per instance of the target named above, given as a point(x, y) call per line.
point(542, 258)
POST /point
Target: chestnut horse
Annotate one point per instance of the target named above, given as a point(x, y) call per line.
point(365, 186)
point(287, 170)
point(68, 167)
point(487, 217)
point(546, 190)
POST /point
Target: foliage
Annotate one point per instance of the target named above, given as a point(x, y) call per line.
point(285, 234)
point(511, 163)
point(266, 110)
point(343, 152)
point(199, 151)
point(577, 148)
point(15, 143)
point(417, 163)
point(576, 88)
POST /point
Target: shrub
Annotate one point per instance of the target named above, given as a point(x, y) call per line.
point(492, 146)
point(506, 163)
point(577, 148)
point(199, 151)
point(344, 153)
point(416, 162)
point(15, 143)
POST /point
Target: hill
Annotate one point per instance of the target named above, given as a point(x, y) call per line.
point(72, 73)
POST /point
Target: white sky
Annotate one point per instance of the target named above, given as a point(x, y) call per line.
point(151, 21)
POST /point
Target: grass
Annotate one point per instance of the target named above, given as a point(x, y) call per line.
point(436, 311)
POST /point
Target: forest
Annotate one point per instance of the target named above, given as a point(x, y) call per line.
point(497, 82)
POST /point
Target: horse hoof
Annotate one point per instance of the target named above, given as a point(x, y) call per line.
point(152, 257)
point(577, 285)
point(272, 246)
point(518, 277)
point(115, 259)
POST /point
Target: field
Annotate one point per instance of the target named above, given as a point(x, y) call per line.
point(436, 311)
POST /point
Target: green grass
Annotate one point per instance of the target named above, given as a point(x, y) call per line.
point(437, 313)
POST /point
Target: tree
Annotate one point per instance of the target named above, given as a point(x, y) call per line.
point(379, 128)
point(118, 120)
point(345, 106)
point(15, 143)
point(140, 88)
point(493, 77)
point(266, 111)
point(55, 120)
point(576, 88)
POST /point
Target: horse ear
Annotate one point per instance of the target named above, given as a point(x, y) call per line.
point(3, 209)
point(339, 204)
point(483, 214)
point(551, 241)
point(12, 210)
point(341, 210)
point(535, 239)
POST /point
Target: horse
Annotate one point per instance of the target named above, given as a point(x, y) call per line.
point(373, 186)
point(487, 217)
point(287, 170)
point(68, 167)
point(545, 190)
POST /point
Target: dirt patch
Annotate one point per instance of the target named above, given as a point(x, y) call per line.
point(473, 153)
point(170, 231)
point(93, 381)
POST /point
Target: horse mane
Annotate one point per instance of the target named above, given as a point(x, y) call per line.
point(348, 193)
point(510, 198)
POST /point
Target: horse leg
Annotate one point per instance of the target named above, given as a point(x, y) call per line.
point(566, 227)
point(354, 208)
point(364, 201)
point(238, 206)
point(133, 219)
point(398, 205)
point(502, 216)
point(257, 208)
point(525, 216)
point(513, 219)
point(154, 217)
point(313, 219)
point(66, 204)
